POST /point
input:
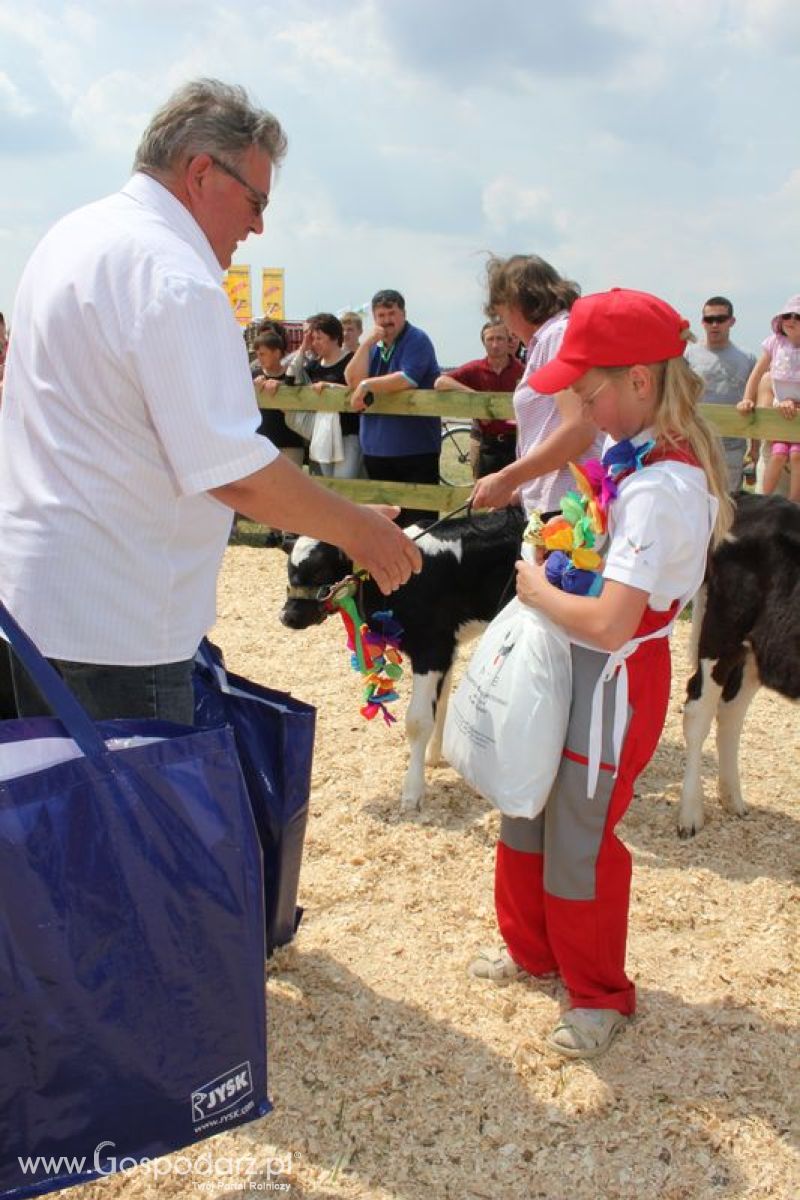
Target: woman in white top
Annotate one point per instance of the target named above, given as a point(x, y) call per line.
point(533, 301)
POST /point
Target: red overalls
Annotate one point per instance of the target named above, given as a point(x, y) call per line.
point(562, 880)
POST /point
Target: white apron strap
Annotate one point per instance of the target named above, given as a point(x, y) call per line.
point(616, 664)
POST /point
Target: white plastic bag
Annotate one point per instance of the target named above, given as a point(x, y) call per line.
point(506, 724)
point(326, 440)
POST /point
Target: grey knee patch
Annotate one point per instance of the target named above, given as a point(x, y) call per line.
point(574, 825)
point(523, 834)
point(574, 832)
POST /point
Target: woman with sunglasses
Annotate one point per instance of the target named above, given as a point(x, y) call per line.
point(781, 357)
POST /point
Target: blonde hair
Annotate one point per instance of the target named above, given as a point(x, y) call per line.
point(677, 421)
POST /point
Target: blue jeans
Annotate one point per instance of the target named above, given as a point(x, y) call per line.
point(163, 691)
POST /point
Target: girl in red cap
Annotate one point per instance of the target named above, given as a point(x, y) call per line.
point(562, 879)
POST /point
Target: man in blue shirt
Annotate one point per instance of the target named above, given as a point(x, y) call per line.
point(396, 356)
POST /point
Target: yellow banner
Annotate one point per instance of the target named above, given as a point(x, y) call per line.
point(272, 292)
point(237, 285)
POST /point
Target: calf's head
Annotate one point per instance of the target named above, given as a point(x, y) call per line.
point(312, 567)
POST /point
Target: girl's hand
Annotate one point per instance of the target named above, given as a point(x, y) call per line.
point(788, 408)
point(268, 386)
point(493, 491)
point(319, 386)
point(745, 405)
point(531, 582)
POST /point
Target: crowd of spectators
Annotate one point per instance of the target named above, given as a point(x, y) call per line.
point(395, 355)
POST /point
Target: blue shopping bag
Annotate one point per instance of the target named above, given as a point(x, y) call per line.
point(274, 735)
point(132, 1001)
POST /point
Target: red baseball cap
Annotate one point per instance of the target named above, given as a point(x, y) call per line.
point(613, 329)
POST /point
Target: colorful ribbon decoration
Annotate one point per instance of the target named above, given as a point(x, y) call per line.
point(574, 565)
point(375, 653)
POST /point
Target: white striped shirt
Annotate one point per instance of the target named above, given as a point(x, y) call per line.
point(127, 396)
point(538, 417)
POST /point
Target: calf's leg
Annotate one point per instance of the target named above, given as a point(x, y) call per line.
point(698, 713)
point(730, 718)
point(419, 727)
point(434, 753)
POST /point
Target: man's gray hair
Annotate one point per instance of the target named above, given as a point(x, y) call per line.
point(206, 116)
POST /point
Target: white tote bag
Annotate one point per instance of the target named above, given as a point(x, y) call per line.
point(506, 724)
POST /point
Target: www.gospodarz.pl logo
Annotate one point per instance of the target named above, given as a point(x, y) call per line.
point(221, 1093)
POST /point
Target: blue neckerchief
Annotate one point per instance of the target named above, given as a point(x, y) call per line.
point(625, 457)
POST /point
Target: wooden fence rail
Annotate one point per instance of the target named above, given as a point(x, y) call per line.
point(762, 423)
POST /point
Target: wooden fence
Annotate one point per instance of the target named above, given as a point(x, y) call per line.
point(763, 423)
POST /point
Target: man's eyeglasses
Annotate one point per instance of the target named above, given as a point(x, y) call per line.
point(260, 199)
point(716, 320)
point(790, 316)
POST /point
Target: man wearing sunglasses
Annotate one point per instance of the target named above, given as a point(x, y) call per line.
point(724, 369)
point(128, 429)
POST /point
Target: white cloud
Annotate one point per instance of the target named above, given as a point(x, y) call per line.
point(506, 203)
point(625, 141)
point(12, 100)
point(113, 111)
point(772, 25)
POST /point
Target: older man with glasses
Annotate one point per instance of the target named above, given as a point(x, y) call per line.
point(724, 369)
point(128, 430)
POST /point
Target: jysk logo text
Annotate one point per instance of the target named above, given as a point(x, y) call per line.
point(222, 1093)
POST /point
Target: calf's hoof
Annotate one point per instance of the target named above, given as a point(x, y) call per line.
point(733, 803)
point(410, 802)
point(691, 820)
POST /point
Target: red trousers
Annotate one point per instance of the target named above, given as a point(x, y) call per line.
point(562, 880)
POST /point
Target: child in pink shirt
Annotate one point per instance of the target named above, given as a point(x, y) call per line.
point(781, 357)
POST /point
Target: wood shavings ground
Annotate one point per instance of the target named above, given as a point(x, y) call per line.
point(396, 1077)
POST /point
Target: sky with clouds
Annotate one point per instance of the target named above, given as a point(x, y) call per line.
point(650, 145)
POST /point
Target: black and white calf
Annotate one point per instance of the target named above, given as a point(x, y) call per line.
point(749, 636)
point(467, 570)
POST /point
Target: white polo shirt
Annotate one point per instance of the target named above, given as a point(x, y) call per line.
point(659, 530)
point(127, 396)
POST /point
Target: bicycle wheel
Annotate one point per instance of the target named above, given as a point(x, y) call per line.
point(454, 464)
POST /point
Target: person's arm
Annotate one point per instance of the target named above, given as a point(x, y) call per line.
point(282, 496)
point(296, 366)
point(358, 367)
point(567, 443)
point(446, 383)
point(379, 385)
point(268, 386)
point(319, 386)
point(608, 621)
point(750, 397)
